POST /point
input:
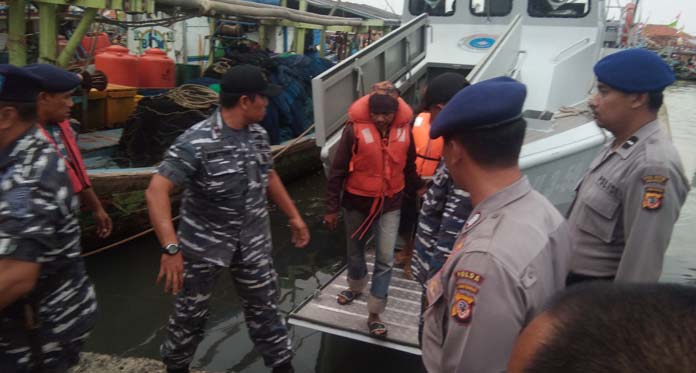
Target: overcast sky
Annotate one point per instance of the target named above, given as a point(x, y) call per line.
point(654, 11)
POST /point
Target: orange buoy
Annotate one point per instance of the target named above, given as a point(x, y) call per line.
point(118, 65)
point(156, 70)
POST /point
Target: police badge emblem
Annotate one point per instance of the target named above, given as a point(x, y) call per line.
point(652, 198)
point(463, 308)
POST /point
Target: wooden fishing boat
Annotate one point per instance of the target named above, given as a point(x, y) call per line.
point(122, 190)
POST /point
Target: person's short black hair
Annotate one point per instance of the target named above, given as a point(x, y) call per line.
point(495, 147)
point(383, 104)
point(655, 100)
point(229, 100)
point(26, 110)
point(620, 328)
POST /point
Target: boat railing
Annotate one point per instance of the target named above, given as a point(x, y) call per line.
point(497, 61)
point(572, 77)
point(515, 72)
point(565, 50)
point(389, 58)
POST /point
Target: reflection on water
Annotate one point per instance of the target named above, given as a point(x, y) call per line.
point(133, 310)
point(680, 262)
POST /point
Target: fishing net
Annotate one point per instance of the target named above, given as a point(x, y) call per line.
point(159, 120)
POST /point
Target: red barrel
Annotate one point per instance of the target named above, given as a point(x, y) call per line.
point(118, 65)
point(99, 42)
point(156, 70)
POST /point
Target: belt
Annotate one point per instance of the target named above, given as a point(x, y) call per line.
point(577, 278)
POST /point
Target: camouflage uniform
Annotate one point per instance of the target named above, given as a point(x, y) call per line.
point(224, 224)
point(444, 210)
point(38, 224)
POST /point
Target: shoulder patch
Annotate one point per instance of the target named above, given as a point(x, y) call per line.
point(655, 179)
point(467, 288)
point(652, 198)
point(462, 308)
point(468, 275)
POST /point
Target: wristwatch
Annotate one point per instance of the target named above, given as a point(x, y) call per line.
point(171, 249)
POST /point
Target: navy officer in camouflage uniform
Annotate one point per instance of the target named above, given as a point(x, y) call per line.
point(47, 302)
point(445, 207)
point(224, 165)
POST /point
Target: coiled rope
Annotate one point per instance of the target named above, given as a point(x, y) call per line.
point(193, 96)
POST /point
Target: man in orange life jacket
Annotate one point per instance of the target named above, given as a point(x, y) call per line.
point(53, 106)
point(428, 151)
point(373, 167)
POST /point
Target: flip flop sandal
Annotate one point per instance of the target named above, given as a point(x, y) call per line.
point(377, 329)
point(346, 297)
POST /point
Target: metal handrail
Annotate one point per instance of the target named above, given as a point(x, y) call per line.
point(577, 43)
point(473, 75)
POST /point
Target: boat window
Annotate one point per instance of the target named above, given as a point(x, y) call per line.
point(490, 8)
point(559, 8)
point(443, 8)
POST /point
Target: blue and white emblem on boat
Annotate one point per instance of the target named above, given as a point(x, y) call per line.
point(478, 42)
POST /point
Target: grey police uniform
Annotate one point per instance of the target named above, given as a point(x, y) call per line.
point(224, 224)
point(626, 206)
point(444, 211)
point(38, 223)
point(512, 255)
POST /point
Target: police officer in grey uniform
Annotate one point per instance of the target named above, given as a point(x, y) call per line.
point(514, 250)
point(629, 199)
point(47, 302)
point(224, 165)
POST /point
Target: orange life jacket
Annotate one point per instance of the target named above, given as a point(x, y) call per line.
point(377, 165)
point(75, 166)
point(428, 151)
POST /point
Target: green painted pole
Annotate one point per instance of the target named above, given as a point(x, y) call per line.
point(322, 39)
point(48, 30)
point(17, 28)
point(262, 36)
point(300, 32)
point(211, 41)
point(76, 38)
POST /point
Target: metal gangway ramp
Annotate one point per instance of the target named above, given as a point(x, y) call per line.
point(393, 58)
point(322, 312)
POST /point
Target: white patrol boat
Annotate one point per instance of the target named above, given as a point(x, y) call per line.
point(549, 45)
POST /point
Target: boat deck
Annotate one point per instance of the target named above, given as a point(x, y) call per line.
point(322, 312)
point(561, 122)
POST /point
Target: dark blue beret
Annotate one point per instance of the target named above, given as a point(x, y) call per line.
point(486, 104)
point(53, 78)
point(634, 70)
point(18, 85)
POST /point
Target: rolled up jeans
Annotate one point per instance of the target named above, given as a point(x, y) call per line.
point(385, 229)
